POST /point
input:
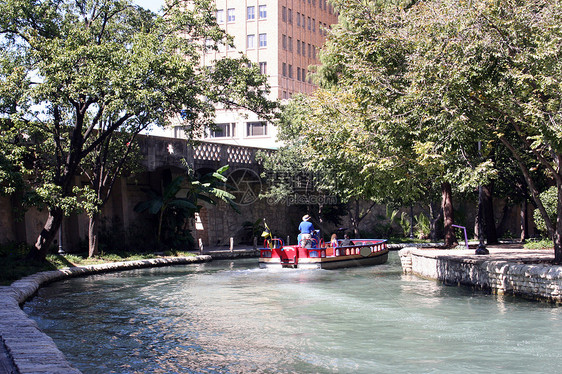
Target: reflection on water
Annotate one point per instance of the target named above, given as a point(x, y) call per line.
point(231, 317)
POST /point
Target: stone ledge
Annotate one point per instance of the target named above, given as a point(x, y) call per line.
point(29, 350)
point(525, 273)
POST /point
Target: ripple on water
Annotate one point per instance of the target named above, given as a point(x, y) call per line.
point(231, 317)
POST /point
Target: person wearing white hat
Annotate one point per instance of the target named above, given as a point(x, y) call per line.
point(306, 229)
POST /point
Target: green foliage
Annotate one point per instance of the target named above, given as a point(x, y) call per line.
point(253, 229)
point(174, 210)
point(384, 226)
point(549, 199)
point(75, 74)
point(14, 266)
point(405, 224)
point(539, 244)
point(423, 226)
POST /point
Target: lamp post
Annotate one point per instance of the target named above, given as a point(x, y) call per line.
point(61, 250)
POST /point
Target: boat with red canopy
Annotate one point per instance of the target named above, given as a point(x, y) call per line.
point(361, 252)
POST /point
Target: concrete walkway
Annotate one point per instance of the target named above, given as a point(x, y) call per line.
point(508, 269)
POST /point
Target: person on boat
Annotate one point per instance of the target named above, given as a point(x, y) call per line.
point(306, 229)
point(346, 242)
point(334, 241)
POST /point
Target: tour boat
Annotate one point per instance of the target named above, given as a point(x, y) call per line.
point(361, 252)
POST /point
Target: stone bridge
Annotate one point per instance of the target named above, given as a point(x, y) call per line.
point(162, 152)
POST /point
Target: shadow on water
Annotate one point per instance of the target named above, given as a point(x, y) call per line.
point(231, 317)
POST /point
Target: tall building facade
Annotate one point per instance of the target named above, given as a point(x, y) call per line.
point(283, 37)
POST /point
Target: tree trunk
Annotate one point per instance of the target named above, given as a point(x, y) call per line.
point(448, 217)
point(45, 239)
point(93, 235)
point(557, 237)
point(355, 221)
point(434, 217)
point(488, 214)
point(354, 218)
point(524, 221)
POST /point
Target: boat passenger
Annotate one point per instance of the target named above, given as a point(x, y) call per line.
point(306, 229)
point(334, 241)
point(346, 242)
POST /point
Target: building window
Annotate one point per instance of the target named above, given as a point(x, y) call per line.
point(313, 25)
point(284, 94)
point(284, 41)
point(290, 15)
point(290, 44)
point(309, 51)
point(309, 24)
point(284, 14)
point(298, 47)
point(251, 41)
point(220, 16)
point(298, 74)
point(256, 128)
point(251, 12)
point(263, 68)
point(284, 69)
point(313, 52)
point(303, 48)
point(263, 40)
point(290, 71)
point(303, 23)
point(263, 11)
point(298, 19)
point(223, 130)
point(230, 15)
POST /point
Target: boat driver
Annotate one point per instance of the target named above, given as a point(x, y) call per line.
point(306, 229)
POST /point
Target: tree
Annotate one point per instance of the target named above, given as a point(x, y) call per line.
point(115, 157)
point(497, 68)
point(89, 69)
point(425, 81)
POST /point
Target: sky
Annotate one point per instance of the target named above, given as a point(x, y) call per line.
point(153, 5)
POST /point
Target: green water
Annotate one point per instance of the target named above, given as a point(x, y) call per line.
point(231, 317)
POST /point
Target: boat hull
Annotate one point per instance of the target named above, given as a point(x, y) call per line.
point(301, 258)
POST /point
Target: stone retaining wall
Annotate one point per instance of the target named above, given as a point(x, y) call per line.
point(29, 349)
point(538, 281)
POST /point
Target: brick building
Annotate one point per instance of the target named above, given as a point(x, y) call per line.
point(283, 37)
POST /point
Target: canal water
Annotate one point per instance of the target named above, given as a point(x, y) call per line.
point(232, 317)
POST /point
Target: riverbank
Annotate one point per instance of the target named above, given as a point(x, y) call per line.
point(24, 348)
point(508, 269)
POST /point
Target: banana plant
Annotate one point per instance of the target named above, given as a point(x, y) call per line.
point(208, 188)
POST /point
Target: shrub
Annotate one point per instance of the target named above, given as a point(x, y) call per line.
point(549, 199)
